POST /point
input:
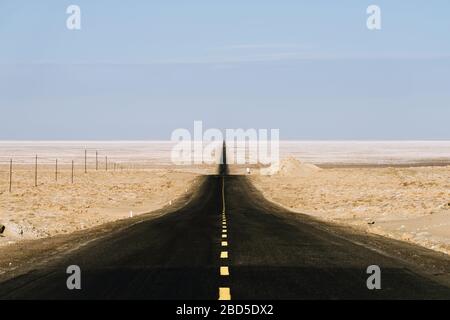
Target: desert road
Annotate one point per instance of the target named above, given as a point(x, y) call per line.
point(228, 242)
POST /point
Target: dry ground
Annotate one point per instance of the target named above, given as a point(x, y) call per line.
point(411, 203)
point(52, 208)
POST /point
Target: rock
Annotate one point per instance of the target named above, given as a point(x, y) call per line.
point(2, 228)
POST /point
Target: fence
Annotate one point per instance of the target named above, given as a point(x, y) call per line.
point(14, 164)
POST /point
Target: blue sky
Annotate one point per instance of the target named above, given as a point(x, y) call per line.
point(140, 69)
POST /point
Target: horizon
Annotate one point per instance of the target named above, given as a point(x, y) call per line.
point(281, 140)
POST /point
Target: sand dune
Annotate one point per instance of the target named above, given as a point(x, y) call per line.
point(291, 167)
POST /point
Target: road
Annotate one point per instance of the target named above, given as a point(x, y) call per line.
point(229, 242)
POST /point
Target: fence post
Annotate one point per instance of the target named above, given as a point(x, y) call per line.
point(106, 163)
point(10, 175)
point(72, 171)
point(56, 171)
point(35, 171)
point(96, 160)
point(85, 161)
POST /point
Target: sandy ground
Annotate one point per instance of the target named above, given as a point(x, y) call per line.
point(406, 203)
point(53, 208)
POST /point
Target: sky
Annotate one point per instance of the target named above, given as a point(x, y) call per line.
point(137, 70)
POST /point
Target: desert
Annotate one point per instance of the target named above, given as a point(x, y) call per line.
point(408, 203)
point(52, 208)
point(140, 179)
point(396, 189)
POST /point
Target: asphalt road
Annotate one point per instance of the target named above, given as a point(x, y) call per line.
point(229, 242)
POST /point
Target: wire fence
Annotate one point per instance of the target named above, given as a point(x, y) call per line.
point(90, 161)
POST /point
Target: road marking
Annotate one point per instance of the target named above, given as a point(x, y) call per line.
point(223, 195)
point(224, 294)
point(224, 271)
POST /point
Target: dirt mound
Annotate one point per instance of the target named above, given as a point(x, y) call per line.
point(294, 168)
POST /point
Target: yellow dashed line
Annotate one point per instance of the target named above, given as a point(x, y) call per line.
point(223, 194)
point(224, 271)
point(224, 294)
